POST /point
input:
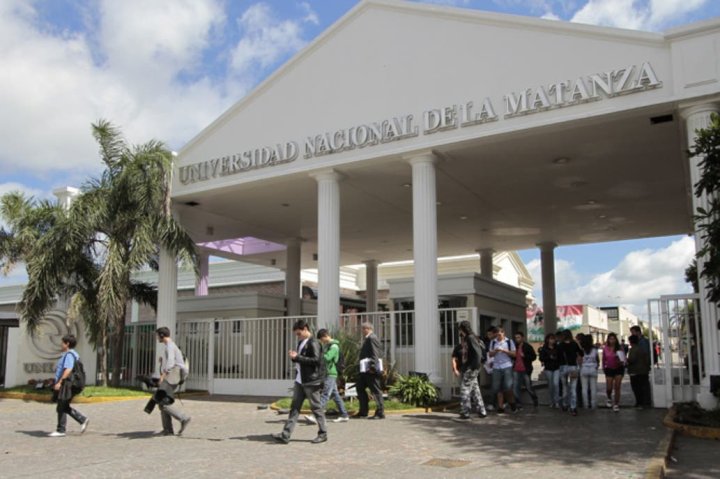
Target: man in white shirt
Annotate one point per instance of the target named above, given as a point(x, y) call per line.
point(502, 352)
point(172, 370)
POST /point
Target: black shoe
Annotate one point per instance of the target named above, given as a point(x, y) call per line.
point(482, 414)
point(514, 408)
point(501, 410)
point(359, 416)
point(535, 402)
point(319, 439)
point(166, 433)
point(377, 416)
point(281, 439)
point(573, 412)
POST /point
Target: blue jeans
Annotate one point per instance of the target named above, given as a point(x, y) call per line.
point(553, 380)
point(520, 379)
point(330, 388)
point(569, 385)
point(502, 377)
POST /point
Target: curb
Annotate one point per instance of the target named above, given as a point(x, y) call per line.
point(85, 400)
point(657, 469)
point(701, 432)
point(76, 400)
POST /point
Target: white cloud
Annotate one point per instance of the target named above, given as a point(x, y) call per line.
point(641, 275)
point(267, 39)
point(138, 65)
point(635, 14)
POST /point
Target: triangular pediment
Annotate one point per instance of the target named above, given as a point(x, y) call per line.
point(400, 70)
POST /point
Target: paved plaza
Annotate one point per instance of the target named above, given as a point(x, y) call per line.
point(230, 437)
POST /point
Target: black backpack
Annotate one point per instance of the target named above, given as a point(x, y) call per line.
point(77, 377)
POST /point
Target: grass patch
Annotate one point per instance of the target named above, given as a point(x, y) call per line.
point(88, 392)
point(351, 406)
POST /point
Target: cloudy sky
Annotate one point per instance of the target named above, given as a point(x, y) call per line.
point(166, 68)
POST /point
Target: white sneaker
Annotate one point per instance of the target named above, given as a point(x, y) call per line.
point(341, 419)
point(616, 408)
point(311, 419)
point(608, 404)
point(56, 434)
point(84, 425)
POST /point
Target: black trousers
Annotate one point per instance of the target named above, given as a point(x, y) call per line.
point(63, 409)
point(640, 384)
point(372, 381)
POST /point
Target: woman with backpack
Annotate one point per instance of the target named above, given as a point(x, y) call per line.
point(589, 371)
point(63, 390)
point(550, 361)
point(614, 369)
point(570, 357)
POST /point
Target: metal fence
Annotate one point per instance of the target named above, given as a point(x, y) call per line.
point(256, 348)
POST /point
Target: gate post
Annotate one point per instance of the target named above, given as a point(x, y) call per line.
point(211, 355)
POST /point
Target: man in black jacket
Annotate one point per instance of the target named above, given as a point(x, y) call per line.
point(370, 354)
point(309, 381)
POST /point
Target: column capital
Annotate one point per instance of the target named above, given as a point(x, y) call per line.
point(371, 262)
point(426, 156)
point(328, 174)
point(485, 250)
point(294, 240)
point(686, 111)
point(547, 245)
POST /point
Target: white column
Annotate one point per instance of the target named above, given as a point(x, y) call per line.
point(371, 281)
point(328, 248)
point(547, 267)
point(427, 322)
point(292, 277)
point(167, 295)
point(698, 117)
point(486, 262)
point(201, 281)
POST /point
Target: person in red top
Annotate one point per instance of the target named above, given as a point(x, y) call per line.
point(522, 369)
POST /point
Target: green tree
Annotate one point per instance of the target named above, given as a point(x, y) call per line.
point(112, 229)
point(707, 220)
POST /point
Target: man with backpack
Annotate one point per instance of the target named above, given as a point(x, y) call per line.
point(502, 352)
point(522, 369)
point(63, 389)
point(335, 366)
point(173, 372)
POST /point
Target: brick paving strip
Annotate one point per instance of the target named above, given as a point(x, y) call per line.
point(232, 438)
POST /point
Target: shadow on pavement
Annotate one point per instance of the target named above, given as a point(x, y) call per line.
point(591, 438)
point(137, 434)
point(256, 438)
point(34, 433)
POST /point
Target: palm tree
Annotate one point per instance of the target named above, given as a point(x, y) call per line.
point(112, 229)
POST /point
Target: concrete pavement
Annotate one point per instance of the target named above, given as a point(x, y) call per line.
point(232, 439)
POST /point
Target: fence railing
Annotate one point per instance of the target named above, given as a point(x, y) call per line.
point(256, 348)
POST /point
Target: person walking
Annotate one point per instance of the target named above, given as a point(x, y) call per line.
point(570, 357)
point(62, 390)
point(331, 356)
point(589, 372)
point(172, 372)
point(614, 369)
point(638, 368)
point(370, 371)
point(468, 360)
point(550, 361)
point(522, 370)
point(309, 380)
point(502, 352)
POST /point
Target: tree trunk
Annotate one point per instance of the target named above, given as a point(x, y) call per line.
point(118, 347)
point(104, 355)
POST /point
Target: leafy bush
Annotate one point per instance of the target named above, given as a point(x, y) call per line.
point(415, 390)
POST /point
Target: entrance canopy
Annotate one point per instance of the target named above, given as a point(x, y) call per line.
point(543, 131)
